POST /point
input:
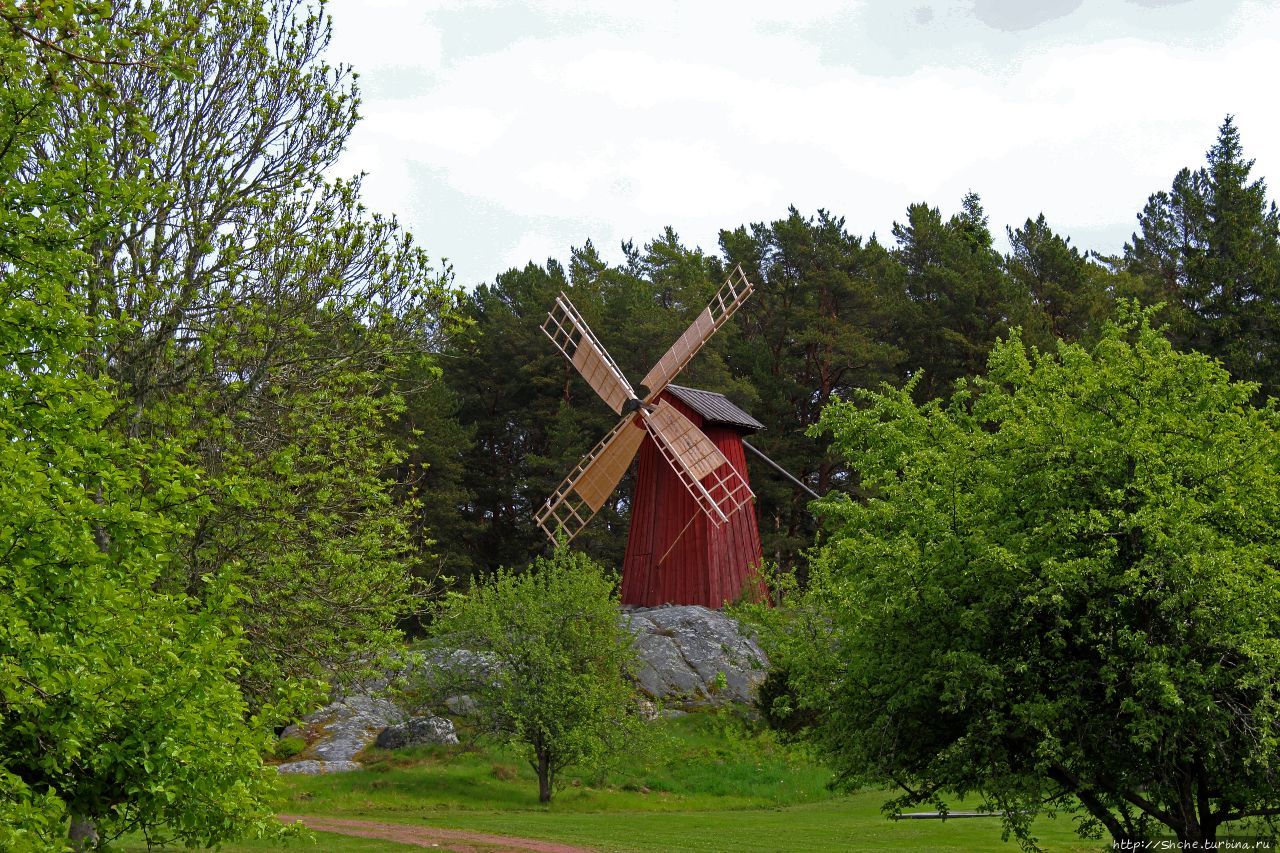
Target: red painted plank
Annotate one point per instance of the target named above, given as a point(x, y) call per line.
point(703, 564)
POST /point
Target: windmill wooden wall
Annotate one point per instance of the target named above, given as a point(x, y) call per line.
point(703, 564)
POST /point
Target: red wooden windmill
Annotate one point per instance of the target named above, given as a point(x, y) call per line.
point(693, 535)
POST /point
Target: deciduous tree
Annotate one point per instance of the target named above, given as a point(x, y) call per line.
point(1062, 593)
point(119, 709)
point(269, 318)
point(549, 663)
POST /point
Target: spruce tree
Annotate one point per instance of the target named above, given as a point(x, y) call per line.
point(1212, 243)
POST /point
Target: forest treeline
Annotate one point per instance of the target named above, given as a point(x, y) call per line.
point(832, 312)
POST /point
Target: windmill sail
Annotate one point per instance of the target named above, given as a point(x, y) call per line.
point(718, 489)
point(571, 335)
point(731, 295)
point(584, 491)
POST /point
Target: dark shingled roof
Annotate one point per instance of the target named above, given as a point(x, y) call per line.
point(715, 408)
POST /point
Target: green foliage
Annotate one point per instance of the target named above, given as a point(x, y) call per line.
point(1062, 591)
point(818, 326)
point(959, 298)
point(505, 376)
point(797, 635)
point(780, 706)
point(287, 747)
point(432, 473)
point(1068, 293)
point(118, 705)
point(271, 321)
point(548, 663)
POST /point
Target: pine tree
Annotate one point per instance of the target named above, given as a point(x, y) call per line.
point(960, 298)
point(820, 324)
point(1067, 293)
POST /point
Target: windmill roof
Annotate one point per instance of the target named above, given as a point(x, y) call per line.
point(715, 408)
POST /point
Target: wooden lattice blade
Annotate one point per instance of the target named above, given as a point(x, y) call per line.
point(571, 335)
point(731, 295)
point(579, 497)
point(718, 489)
point(697, 453)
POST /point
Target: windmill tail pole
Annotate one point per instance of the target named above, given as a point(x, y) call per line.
point(780, 469)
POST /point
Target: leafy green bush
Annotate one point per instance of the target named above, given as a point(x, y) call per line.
point(780, 705)
point(288, 747)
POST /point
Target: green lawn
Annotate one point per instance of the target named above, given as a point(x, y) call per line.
point(707, 783)
point(698, 762)
point(844, 824)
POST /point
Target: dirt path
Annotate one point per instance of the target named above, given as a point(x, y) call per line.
point(457, 840)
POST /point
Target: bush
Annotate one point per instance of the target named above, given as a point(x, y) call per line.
point(288, 747)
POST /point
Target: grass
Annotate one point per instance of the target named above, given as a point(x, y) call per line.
point(708, 783)
point(699, 762)
point(843, 824)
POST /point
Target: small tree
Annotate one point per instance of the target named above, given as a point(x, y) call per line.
point(553, 662)
point(1062, 594)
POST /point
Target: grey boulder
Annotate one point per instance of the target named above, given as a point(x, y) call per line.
point(418, 731)
point(692, 656)
point(338, 732)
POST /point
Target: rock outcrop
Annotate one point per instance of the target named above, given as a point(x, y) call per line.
point(311, 767)
point(338, 732)
point(690, 656)
point(418, 731)
point(695, 657)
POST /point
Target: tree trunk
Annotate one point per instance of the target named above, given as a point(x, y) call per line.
point(544, 777)
point(1191, 836)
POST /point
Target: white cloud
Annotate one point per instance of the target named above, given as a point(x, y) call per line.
point(379, 33)
point(699, 17)
point(706, 116)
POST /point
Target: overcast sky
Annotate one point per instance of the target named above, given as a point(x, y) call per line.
point(504, 132)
